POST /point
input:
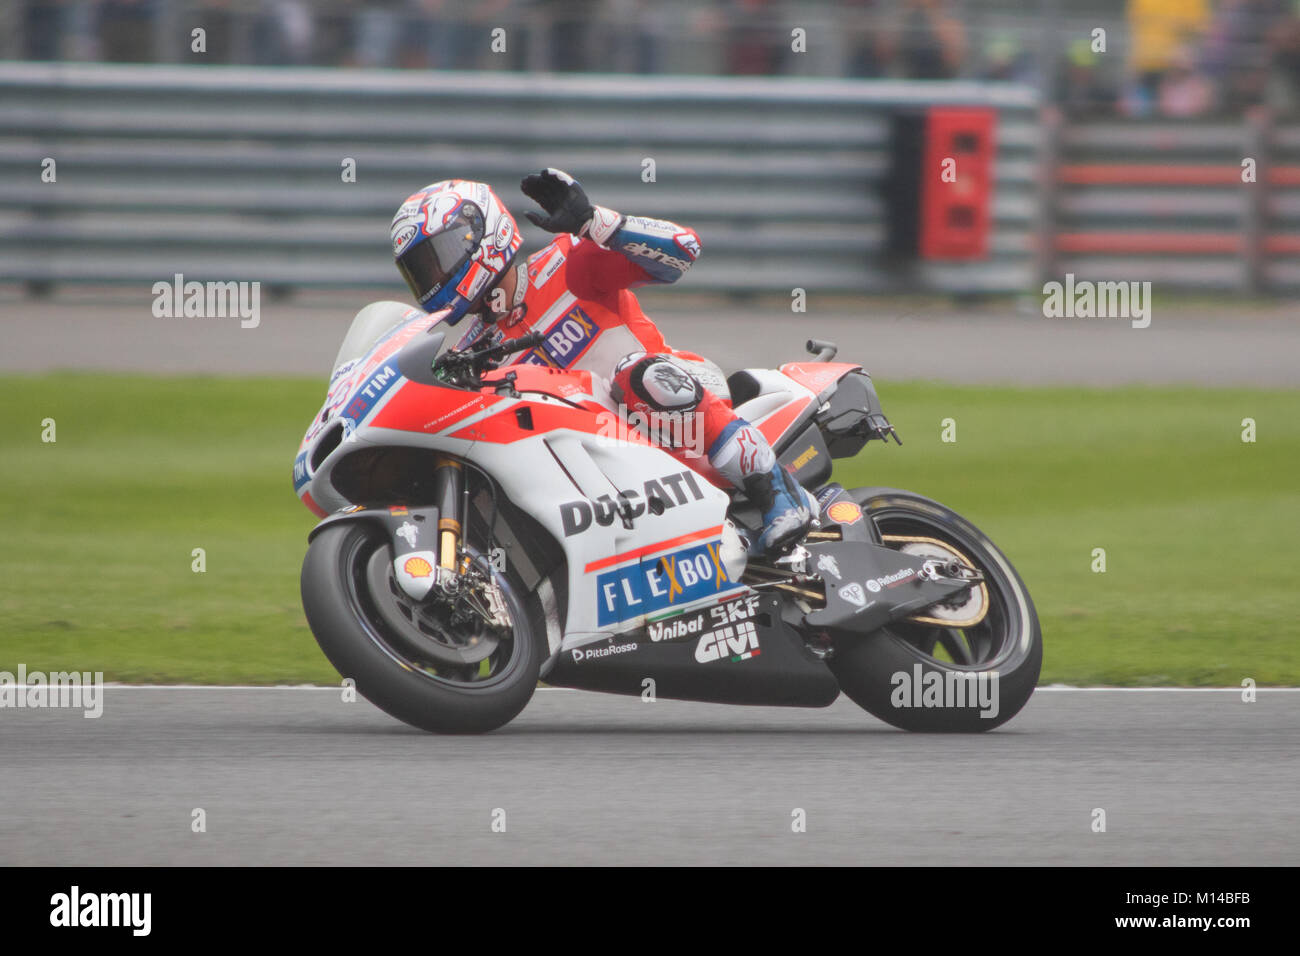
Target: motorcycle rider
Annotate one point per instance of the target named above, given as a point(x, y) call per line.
point(455, 244)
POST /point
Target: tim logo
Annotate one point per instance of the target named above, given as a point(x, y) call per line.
point(368, 395)
point(566, 339)
point(300, 476)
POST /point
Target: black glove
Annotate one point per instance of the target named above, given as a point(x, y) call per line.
point(566, 204)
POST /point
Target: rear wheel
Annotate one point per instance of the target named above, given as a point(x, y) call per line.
point(417, 660)
point(966, 666)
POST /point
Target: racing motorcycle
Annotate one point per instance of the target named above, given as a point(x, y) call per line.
point(487, 523)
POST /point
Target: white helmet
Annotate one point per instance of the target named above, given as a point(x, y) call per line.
point(452, 241)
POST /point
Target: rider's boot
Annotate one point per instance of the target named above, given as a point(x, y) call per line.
point(742, 455)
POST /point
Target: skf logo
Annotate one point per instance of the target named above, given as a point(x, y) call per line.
point(739, 643)
point(566, 339)
point(577, 516)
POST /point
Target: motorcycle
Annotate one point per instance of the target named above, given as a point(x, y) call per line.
point(488, 525)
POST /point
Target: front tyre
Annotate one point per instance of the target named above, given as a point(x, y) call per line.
point(412, 659)
point(913, 674)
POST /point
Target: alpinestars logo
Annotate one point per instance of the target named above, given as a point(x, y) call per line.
point(656, 255)
point(740, 643)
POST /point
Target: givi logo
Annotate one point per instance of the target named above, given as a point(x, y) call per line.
point(740, 643)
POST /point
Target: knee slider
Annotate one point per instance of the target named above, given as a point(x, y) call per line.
point(659, 383)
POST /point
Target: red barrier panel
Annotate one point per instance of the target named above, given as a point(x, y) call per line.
point(957, 183)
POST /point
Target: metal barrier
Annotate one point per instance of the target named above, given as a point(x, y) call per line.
point(1187, 205)
point(237, 173)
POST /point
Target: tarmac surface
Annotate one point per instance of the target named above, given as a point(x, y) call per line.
point(298, 776)
point(1006, 342)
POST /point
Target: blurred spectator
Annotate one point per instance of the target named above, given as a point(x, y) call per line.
point(929, 41)
point(868, 55)
point(633, 31)
point(1284, 92)
point(1185, 57)
point(1005, 58)
point(215, 17)
point(1235, 53)
point(1082, 86)
point(1184, 90)
point(42, 26)
point(569, 33)
point(283, 33)
point(755, 43)
point(126, 30)
point(1159, 32)
point(377, 24)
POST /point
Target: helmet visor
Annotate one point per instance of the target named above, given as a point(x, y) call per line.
point(427, 266)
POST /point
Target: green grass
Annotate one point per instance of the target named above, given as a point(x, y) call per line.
point(1199, 528)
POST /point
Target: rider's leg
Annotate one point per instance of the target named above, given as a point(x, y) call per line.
point(653, 383)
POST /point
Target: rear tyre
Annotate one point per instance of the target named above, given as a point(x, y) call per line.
point(405, 656)
point(888, 672)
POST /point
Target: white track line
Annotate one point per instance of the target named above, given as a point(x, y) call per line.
point(337, 687)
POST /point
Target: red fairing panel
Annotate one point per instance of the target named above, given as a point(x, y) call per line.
point(428, 408)
point(817, 376)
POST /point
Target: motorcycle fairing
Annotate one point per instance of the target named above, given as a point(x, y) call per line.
point(871, 585)
point(618, 510)
point(780, 408)
point(747, 655)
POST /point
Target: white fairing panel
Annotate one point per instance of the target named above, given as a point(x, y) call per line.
point(776, 391)
point(573, 483)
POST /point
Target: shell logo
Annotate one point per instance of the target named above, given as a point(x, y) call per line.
point(844, 512)
point(417, 567)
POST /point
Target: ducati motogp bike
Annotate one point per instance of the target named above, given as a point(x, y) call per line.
point(486, 526)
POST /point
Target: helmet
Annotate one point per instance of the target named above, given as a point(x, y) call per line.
point(452, 241)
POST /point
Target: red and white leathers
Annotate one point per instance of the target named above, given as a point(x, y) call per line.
point(578, 293)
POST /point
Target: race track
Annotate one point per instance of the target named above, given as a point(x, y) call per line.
point(1246, 346)
point(297, 776)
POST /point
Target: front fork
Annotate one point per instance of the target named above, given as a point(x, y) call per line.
point(469, 586)
point(449, 492)
point(427, 540)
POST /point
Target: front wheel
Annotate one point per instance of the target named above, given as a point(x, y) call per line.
point(417, 660)
point(967, 666)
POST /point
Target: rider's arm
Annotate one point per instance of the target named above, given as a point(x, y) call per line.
point(663, 249)
point(656, 249)
point(593, 272)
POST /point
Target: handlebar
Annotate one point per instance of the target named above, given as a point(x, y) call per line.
point(821, 350)
point(511, 346)
point(471, 362)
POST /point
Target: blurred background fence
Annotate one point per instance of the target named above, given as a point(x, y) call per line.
point(1123, 131)
point(238, 174)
